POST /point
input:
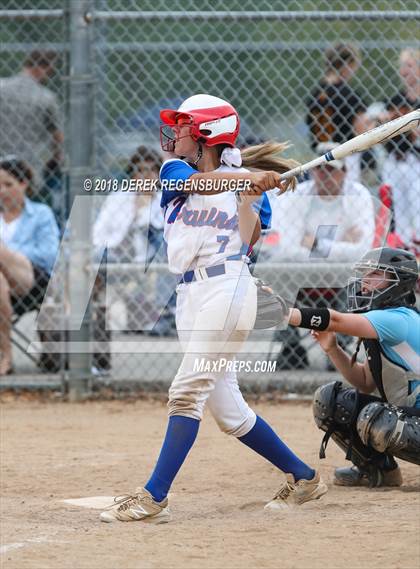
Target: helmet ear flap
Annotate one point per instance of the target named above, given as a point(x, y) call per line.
point(196, 134)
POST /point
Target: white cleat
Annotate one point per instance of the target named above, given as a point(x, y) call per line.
point(293, 493)
point(137, 507)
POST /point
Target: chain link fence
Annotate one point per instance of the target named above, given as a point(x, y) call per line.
point(82, 83)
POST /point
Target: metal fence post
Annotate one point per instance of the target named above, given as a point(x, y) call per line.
point(80, 153)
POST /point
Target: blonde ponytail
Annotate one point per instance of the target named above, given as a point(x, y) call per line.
point(265, 156)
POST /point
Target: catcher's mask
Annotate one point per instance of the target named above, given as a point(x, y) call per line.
point(383, 278)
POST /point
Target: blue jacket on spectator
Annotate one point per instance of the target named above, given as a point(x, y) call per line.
point(37, 235)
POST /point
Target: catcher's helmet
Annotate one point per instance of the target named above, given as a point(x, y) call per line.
point(212, 121)
point(400, 272)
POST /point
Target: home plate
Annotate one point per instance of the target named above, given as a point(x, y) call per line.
point(94, 502)
point(8, 547)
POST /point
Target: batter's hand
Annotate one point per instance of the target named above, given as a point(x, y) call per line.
point(264, 181)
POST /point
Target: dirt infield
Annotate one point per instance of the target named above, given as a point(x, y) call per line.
point(55, 451)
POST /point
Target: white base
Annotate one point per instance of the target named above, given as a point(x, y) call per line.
point(93, 502)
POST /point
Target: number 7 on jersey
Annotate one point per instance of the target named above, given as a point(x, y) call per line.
point(224, 240)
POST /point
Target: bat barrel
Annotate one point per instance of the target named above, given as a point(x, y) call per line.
point(361, 142)
point(378, 135)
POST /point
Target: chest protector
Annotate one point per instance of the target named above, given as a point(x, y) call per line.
point(392, 380)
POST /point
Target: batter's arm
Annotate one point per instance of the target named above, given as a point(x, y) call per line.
point(248, 221)
point(260, 182)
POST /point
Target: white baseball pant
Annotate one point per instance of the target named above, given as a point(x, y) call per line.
point(214, 317)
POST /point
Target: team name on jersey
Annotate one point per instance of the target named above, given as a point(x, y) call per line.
point(204, 217)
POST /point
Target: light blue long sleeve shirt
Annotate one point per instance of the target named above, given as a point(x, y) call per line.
point(36, 235)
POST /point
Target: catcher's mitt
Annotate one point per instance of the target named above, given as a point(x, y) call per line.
point(271, 308)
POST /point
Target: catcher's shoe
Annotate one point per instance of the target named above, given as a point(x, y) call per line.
point(353, 476)
point(137, 507)
point(296, 493)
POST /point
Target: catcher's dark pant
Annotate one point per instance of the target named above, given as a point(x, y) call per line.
point(370, 431)
point(336, 410)
point(360, 454)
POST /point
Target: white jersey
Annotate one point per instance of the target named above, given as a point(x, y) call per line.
point(201, 230)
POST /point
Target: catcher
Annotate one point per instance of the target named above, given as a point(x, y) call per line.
point(372, 430)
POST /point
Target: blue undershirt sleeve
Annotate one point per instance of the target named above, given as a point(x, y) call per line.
point(391, 326)
point(171, 176)
point(263, 208)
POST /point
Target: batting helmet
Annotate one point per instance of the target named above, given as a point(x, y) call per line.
point(212, 121)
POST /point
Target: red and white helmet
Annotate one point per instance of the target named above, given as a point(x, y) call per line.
point(212, 121)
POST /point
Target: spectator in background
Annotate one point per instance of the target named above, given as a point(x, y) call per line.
point(336, 113)
point(130, 225)
point(329, 218)
point(29, 115)
point(29, 241)
point(402, 167)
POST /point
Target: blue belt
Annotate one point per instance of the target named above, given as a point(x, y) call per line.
point(214, 271)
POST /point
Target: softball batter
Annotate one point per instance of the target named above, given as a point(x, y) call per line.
point(208, 234)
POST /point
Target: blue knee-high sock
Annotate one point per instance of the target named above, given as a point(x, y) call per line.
point(180, 436)
point(263, 440)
